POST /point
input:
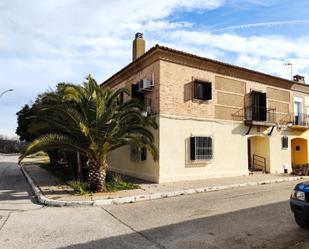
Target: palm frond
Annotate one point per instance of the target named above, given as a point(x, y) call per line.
point(53, 141)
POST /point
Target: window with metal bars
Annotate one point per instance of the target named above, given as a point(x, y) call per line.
point(120, 99)
point(201, 148)
point(138, 154)
point(284, 142)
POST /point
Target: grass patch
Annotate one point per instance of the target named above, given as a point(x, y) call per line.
point(81, 188)
point(123, 185)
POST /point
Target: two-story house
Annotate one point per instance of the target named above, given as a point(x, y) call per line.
point(215, 119)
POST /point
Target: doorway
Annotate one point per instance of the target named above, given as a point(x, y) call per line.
point(259, 112)
point(299, 151)
point(258, 154)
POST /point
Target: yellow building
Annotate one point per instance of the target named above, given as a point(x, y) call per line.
point(215, 119)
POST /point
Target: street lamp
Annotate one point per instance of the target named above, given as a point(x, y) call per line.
point(9, 90)
point(291, 65)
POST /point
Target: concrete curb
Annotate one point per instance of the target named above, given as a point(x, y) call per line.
point(49, 202)
point(137, 198)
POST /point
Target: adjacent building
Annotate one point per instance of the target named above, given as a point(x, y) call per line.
point(215, 119)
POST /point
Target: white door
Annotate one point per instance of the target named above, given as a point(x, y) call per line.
point(297, 112)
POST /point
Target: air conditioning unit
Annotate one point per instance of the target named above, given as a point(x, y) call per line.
point(145, 85)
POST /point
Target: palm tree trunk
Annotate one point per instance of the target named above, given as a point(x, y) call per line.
point(96, 176)
point(79, 167)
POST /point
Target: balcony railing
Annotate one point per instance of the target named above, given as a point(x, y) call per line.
point(299, 119)
point(257, 114)
point(148, 107)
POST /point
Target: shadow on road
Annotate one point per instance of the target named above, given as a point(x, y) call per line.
point(249, 228)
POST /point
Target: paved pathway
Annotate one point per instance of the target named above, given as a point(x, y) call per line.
point(253, 217)
point(53, 189)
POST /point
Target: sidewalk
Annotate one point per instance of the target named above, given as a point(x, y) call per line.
point(60, 194)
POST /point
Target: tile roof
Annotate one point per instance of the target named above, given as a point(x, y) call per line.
point(178, 52)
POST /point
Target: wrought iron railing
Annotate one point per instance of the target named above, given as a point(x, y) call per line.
point(258, 113)
point(301, 119)
point(148, 106)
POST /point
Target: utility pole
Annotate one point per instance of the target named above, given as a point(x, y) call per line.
point(4, 92)
point(291, 65)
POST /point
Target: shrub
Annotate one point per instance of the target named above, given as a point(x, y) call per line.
point(80, 187)
point(116, 182)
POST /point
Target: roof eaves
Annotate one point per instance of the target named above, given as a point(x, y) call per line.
point(175, 51)
point(131, 64)
point(227, 64)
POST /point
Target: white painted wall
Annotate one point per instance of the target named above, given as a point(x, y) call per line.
point(230, 149)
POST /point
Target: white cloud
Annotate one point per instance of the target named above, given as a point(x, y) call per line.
point(263, 24)
point(272, 46)
point(264, 53)
point(46, 42)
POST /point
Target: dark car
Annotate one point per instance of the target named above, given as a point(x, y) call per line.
point(300, 204)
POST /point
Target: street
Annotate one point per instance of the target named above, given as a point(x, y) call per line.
point(252, 217)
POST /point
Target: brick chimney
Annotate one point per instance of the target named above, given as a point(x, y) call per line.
point(298, 78)
point(138, 46)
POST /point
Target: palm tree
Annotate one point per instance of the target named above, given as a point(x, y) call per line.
point(90, 120)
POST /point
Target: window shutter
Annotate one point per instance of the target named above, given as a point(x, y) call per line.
point(201, 91)
point(134, 91)
point(143, 154)
point(208, 93)
point(195, 91)
point(192, 148)
point(262, 103)
point(133, 153)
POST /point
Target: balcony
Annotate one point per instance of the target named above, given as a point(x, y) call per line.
point(262, 116)
point(148, 107)
point(298, 121)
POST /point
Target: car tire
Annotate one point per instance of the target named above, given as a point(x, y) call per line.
point(301, 222)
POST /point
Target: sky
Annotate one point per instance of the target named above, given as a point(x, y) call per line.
point(46, 42)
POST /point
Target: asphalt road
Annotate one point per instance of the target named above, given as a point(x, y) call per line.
point(254, 217)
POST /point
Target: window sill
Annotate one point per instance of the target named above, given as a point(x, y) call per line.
point(198, 163)
point(200, 101)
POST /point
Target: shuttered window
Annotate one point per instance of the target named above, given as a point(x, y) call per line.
point(284, 142)
point(201, 148)
point(202, 90)
point(135, 94)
